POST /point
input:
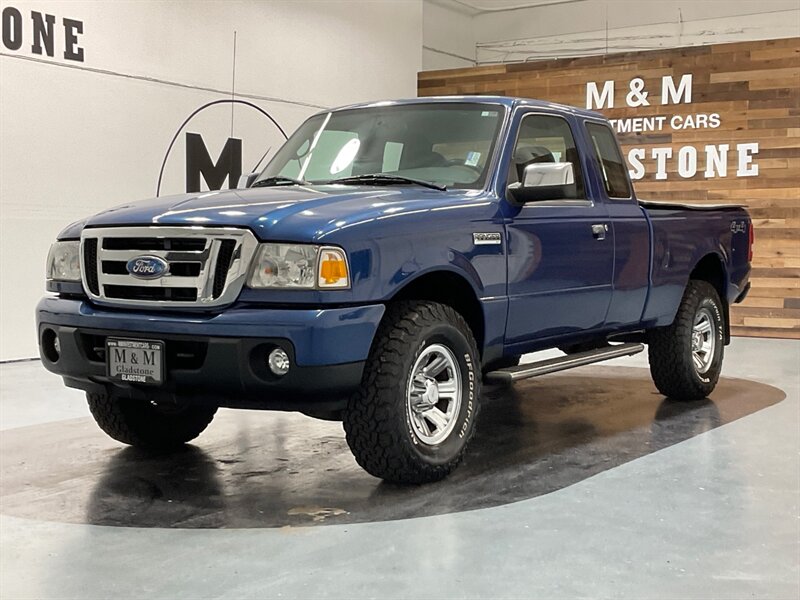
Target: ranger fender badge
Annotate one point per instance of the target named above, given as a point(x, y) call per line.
point(484, 239)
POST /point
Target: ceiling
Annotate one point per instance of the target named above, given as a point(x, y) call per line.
point(485, 6)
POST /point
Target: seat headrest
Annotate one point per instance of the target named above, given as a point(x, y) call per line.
point(533, 154)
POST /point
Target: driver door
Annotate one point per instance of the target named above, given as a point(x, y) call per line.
point(560, 252)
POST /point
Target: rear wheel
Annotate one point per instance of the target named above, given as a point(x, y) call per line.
point(686, 357)
point(415, 412)
point(146, 425)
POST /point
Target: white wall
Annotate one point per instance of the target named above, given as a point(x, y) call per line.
point(493, 31)
point(76, 138)
point(448, 35)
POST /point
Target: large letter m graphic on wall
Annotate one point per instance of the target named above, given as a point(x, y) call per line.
point(199, 162)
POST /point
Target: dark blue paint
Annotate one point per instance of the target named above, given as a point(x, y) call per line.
point(319, 336)
point(549, 283)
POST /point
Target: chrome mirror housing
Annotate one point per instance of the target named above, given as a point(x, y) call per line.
point(543, 181)
point(547, 174)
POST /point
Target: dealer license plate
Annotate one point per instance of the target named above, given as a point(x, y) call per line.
point(135, 361)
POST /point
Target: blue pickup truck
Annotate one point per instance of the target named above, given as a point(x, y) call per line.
point(390, 259)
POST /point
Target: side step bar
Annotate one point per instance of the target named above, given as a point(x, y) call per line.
point(562, 363)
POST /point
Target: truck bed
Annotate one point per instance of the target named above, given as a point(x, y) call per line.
point(681, 236)
point(669, 204)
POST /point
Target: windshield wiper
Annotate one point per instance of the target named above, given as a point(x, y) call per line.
point(278, 180)
point(384, 179)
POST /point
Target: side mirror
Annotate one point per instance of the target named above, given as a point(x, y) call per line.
point(245, 181)
point(543, 181)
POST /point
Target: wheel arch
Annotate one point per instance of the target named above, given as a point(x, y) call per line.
point(711, 269)
point(450, 288)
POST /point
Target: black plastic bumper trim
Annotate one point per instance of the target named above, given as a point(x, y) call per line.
point(740, 298)
point(229, 372)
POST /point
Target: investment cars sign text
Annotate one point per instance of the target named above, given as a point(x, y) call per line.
point(709, 160)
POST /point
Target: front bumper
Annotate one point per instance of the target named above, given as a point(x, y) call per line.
point(219, 358)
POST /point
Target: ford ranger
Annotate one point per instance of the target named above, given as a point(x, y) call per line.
point(389, 259)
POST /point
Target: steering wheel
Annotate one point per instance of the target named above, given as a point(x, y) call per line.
point(457, 162)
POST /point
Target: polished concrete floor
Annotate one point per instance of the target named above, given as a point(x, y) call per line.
point(583, 484)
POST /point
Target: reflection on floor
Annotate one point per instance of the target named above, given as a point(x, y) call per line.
point(254, 469)
point(586, 484)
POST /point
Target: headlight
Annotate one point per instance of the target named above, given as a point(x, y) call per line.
point(299, 266)
point(64, 261)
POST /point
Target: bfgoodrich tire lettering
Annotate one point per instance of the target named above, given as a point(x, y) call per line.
point(673, 361)
point(378, 422)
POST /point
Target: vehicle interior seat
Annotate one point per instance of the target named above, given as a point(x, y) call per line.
point(527, 155)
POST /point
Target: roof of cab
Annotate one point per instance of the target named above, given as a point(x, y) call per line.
point(508, 101)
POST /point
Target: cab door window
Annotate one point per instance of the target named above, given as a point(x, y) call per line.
point(546, 139)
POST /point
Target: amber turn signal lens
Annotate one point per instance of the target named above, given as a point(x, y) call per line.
point(333, 269)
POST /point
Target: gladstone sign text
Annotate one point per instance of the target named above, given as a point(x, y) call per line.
point(709, 159)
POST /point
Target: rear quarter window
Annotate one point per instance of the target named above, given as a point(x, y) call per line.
point(612, 166)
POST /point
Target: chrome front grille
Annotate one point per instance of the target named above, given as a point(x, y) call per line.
point(207, 265)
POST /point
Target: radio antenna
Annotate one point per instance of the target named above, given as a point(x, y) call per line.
point(233, 79)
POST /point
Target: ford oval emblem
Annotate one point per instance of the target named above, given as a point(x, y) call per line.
point(147, 267)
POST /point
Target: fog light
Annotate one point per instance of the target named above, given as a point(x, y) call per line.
point(51, 346)
point(278, 362)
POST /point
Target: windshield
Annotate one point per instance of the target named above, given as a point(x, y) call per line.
point(446, 144)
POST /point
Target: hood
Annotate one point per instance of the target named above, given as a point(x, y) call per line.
point(286, 213)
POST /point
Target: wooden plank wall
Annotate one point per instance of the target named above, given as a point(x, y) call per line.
point(753, 87)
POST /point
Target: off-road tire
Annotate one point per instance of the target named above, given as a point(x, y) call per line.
point(376, 422)
point(670, 348)
point(139, 423)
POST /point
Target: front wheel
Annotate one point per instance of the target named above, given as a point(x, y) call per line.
point(686, 357)
point(147, 425)
point(415, 412)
